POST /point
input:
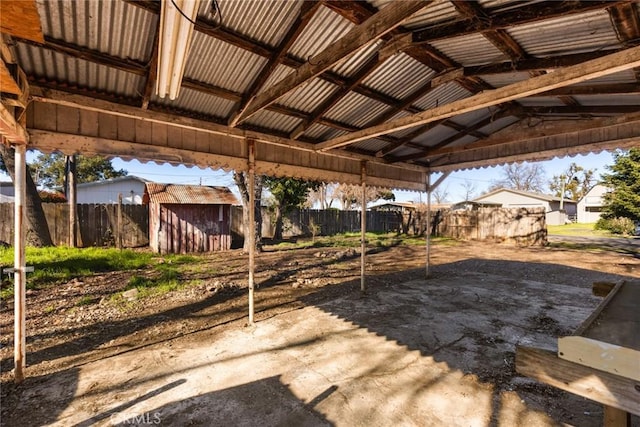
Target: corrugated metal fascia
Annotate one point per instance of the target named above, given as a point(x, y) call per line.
point(266, 22)
point(198, 102)
point(399, 76)
point(309, 96)
point(437, 12)
point(324, 29)
point(469, 50)
point(273, 120)
point(566, 35)
point(356, 110)
point(77, 72)
point(349, 66)
point(222, 64)
point(442, 95)
point(114, 27)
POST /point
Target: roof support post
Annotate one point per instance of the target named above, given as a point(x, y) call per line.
point(251, 146)
point(363, 225)
point(428, 231)
point(20, 263)
point(71, 198)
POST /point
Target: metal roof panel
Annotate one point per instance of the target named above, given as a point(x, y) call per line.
point(190, 194)
point(399, 76)
point(198, 102)
point(325, 28)
point(469, 50)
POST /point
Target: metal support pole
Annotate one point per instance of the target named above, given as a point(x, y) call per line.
point(252, 224)
point(20, 263)
point(363, 225)
point(428, 224)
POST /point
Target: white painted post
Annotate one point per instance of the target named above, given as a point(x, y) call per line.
point(71, 197)
point(20, 263)
point(428, 224)
point(252, 225)
point(363, 225)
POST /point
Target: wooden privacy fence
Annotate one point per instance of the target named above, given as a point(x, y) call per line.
point(97, 224)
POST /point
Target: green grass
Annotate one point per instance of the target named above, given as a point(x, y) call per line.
point(579, 230)
point(352, 240)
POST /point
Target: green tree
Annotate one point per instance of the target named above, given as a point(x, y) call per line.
point(288, 193)
point(623, 201)
point(50, 169)
point(577, 182)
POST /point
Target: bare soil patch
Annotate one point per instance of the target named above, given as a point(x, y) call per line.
point(510, 295)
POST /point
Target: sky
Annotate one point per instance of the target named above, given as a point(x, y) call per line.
point(453, 185)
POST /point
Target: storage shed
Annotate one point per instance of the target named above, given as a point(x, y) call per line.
point(189, 218)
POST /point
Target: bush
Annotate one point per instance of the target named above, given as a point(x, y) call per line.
point(616, 225)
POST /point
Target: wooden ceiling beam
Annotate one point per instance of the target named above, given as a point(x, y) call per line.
point(150, 84)
point(375, 27)
point(626, 21)
point(613, 63)
point(307, 11)
point(597, 89)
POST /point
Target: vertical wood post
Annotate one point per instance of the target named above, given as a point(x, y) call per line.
point(119, 222)
point(428, 187)
point(20, 263)
point(252, 224)
point(71, 198)
point(614, 417)
point(363, 225)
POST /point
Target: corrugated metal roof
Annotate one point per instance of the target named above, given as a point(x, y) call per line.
point(619, 99)
point(325, 27)
point(278, 74)
point(399, 76)
point(356, 110)
point(469, 119)
point(309, 96)
point(437, 12)
point(77, 72)
point(322, 132)
point(540, 101)
point(352, 63)
point(442, 95)
point(190, 194)
point(499, 124)
point(113, 27)
point(504, 5)
point(500, 80)
point(627, 76)
point(469, 50)
point(570, 34)
point(273, 120)
point(434, 135)
point(371, 145)
point(200, 102)
point(209, 61)
point(263, 21)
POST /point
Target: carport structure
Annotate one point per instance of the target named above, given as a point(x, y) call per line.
point(378, 93)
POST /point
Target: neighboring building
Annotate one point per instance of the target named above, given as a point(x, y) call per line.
point(6, 192)
point(189, 218)
point(509, 198)
point(131, 187)
point(590, 206)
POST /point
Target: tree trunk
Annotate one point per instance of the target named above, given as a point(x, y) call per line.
point(37, 228)
point(240, 179)
point(277, 234)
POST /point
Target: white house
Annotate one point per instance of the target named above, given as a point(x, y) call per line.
point(590, 206)
point(509, 198)
point(6, 192)
point(131, 187)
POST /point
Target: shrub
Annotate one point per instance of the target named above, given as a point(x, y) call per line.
point(616, 225)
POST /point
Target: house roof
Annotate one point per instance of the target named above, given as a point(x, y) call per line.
point(190, 194)
point(321, 86)
point(112, 181)
point(538, 196)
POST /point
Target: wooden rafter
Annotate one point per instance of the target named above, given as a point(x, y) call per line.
point(304, 17)
point(375, 27)
point(20, 18)
point(606, 65)
point(627, 24)
point(151, 74)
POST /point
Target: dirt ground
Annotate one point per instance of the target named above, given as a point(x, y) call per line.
point(409, 351)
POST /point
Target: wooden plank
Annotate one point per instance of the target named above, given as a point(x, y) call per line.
point(606, 65)
point(377, 26)
point(603, 387)
point(602, 289)
point(10, 128)
point(609, 339)
point(7, 82)
point(20, 18)
point(614, 417)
